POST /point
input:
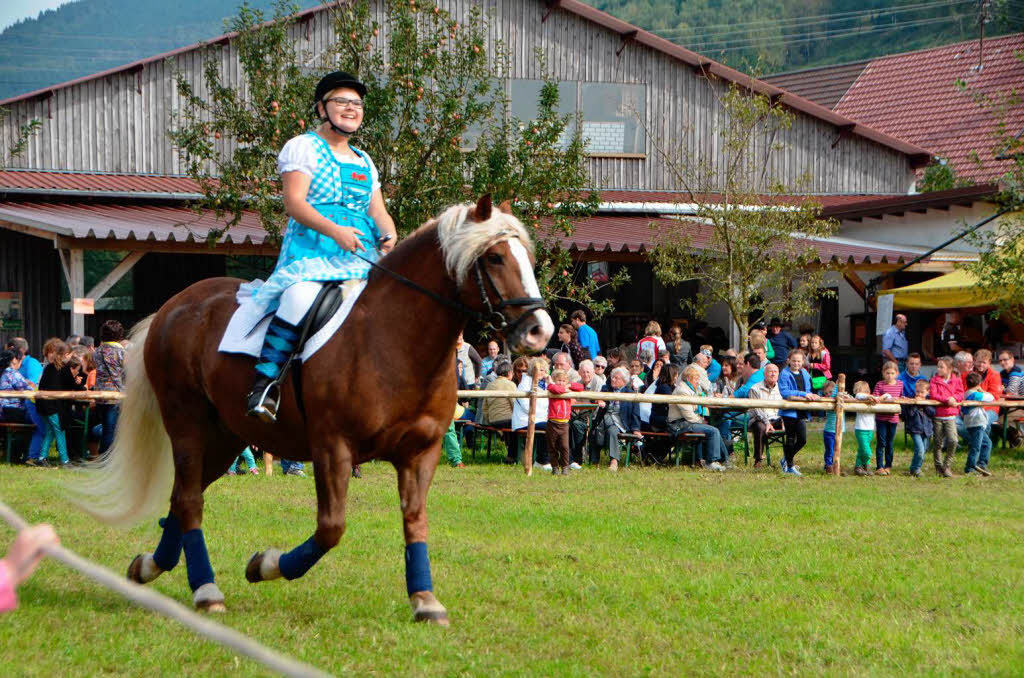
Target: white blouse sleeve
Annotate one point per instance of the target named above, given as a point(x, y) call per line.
point(298, 155)
point(374, 174)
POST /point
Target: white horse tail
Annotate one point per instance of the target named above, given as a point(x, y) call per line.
point(133, 479)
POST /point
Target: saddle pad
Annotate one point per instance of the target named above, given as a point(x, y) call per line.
point(248, 327)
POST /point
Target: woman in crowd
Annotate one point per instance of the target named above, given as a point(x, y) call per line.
point(679, 349)
point(520, 367)
point(728, 379)
point(819, 363)
point(571, 344)
point(666, 384)
point(13, 409)
point(617, 416)
point(684, 418)
point(109, 358)
point(60, 374)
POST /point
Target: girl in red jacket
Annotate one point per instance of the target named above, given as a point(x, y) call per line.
point(557, 431)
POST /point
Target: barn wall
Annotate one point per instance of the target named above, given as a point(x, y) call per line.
point(118, 123)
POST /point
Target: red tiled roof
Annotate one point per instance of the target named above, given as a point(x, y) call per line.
point(129, 222)
point(95, 182)
point(626, 31)
point(914, 96)
point(633, 235)
point(825, 85)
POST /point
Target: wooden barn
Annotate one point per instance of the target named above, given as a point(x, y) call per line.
point(101, 175)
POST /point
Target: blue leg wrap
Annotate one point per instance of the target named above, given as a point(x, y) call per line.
point(417, 568)
point(168, 551)
point(277, 346)
point(197, 560)
point(297, 562)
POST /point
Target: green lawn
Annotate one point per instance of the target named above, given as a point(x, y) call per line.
point(665, 572)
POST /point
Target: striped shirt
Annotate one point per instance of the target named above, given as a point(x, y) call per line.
point(893, 391)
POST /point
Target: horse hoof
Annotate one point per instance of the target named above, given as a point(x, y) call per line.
point(263, 566)
point(427, 609)
point(208, 598)
point(142, 569)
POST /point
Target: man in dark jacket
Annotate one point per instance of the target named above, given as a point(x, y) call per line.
point(782, 342)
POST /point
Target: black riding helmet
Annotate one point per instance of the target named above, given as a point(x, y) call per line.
point(328, 84)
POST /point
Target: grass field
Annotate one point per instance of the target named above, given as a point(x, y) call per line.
point(666, 572)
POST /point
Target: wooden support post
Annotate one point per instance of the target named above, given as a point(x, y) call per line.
point(73, 263)
point(840, 390)
point(531, 422)
point(268, 463)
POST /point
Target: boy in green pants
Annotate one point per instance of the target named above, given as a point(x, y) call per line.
point(863, 429)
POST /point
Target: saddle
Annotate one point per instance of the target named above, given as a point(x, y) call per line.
point(326, 304)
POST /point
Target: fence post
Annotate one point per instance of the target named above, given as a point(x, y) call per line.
point(840, 390)
point(268, 463)
point(531, 422)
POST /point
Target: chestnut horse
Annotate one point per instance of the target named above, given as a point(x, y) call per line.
point(184, 418)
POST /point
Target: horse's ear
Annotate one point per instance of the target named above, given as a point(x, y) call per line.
point(482, 211)
point(505, 207)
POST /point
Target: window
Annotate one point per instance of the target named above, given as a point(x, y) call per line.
point(610, 118)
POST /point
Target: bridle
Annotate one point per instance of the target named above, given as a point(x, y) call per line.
point(491, 318)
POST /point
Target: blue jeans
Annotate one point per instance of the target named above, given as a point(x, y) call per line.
point(289, 465)
point(108, 422)
point(35, 448)
point(920, 445)
point(712, 449)
point(979, 446)
point(886, 435)
point(830, 447)
point(55, 433)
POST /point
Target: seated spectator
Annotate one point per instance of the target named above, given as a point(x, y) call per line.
point(589, 378)
point(666, 385)
point(751, 373)
point(617, 416)
point(679, 349)
point(652, 342)
point(714, 368)
point(728, 379)
point(12, 410)
point(683, 418)
point(613, 359)
point(637, 371)
point(562, 361)
point(702, 361)
point(487, 363)
point(497, 412)
point(1012, 375)
point(765, 420)
point(519, 368)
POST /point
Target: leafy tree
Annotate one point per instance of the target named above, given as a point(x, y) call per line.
point(22, 136)
point(941, 176)
point(431, 85)
point(754, 259)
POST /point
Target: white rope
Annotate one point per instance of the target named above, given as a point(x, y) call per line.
point(156, 602)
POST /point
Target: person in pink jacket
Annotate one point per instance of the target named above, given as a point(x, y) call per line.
point(948, 389)
point(21, 561)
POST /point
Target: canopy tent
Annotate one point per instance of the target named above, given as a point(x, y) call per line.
point(952, 290)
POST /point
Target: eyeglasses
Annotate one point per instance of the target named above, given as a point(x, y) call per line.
point(342, 102)
point(599, 367)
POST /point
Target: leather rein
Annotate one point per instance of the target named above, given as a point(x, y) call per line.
point(492, 317)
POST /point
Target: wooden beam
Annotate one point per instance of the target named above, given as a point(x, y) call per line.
point(73, 262)
point(858, 285)
point(118, 272)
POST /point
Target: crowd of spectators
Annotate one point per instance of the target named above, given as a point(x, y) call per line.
point(775, 366)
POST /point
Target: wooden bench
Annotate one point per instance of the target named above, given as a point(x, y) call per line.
point(11, 430)
point(686, 439)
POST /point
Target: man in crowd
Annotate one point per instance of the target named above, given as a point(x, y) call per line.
point(894, 342)
point(487, 363)
point(702, 361)
point(1011, 375)
point(615, 358)
point(562, 361)
point(497, 412)
point(782, 342)
point(585, 334)
point(752, 370)
point(589, 378)
point(912, 375)
point(765, 420)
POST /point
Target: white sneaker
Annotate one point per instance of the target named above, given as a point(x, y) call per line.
point(575, 467)
point(715, 466)
point(544, 467)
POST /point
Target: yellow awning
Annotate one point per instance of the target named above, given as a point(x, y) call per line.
point(953, 290)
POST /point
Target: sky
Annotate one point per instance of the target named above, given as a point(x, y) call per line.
point(13, 10)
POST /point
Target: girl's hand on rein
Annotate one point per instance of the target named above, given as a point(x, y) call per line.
point(348, 238)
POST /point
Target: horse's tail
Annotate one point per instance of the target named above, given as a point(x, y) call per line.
point(133, 479)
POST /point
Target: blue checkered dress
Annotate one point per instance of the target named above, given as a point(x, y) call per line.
point(341, 192)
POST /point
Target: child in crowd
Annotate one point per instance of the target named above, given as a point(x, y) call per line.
point(917, 421)
point(829, 390)
point(947, 388)
point(976, 422)
point(885, 424)
point(863, 429)
point(249, 459)
point(559, 412)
